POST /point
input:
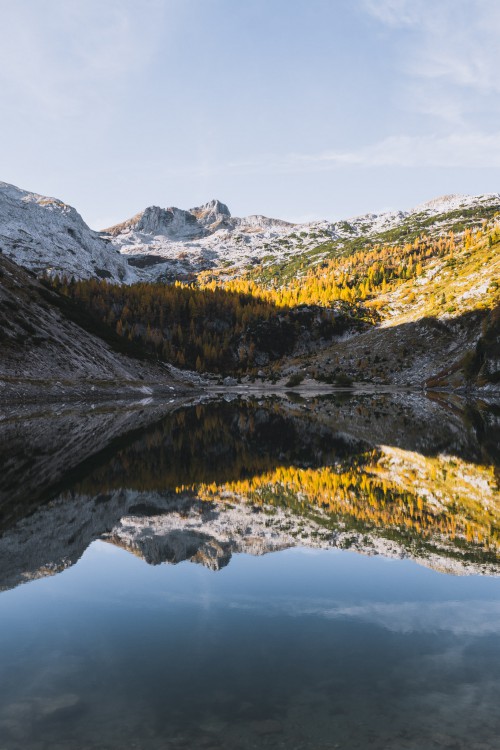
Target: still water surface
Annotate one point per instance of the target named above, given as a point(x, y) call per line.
point(106, 644)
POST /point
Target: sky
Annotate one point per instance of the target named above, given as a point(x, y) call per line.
point(296, 109)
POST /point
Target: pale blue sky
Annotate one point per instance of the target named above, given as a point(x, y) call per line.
point(298, 109)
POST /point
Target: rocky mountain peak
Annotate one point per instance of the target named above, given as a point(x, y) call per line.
point(176, 223)
point(212, 210)
point(156, 220)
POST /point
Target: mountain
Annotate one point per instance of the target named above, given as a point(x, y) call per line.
point(175, 223)
point(46, 235)
point(171, 243)
point(397, 298)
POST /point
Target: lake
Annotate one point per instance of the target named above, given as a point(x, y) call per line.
point(282, 572)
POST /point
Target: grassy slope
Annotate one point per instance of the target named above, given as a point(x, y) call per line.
point(410, 229)
point(448, 287)
point(430, 325)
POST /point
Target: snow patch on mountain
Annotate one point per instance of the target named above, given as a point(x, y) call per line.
point(455, 201)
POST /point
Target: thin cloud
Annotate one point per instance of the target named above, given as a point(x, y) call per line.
point(454, 617)
point(458, 150)
point(455, 150)
point(59, 62)
point(395, 12)
point(479, 619)
point(454, 41)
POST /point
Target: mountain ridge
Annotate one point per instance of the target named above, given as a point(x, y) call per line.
point(46, 235)
point(230, 245)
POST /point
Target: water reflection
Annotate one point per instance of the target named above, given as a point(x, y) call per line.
point(314, 647)
point(397, 475)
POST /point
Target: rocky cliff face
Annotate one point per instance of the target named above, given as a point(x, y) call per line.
point(175, 223)
point(46, 235)
point(174, 243)
point(212, 214)
point(47, 349)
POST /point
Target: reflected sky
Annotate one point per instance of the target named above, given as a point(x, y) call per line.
point(299, 646)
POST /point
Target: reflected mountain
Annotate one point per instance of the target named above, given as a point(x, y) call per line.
point(399, 475)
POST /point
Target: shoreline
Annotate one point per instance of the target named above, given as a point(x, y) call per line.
point(31, 391)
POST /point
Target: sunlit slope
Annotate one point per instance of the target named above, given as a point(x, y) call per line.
point(394, 233)
point(443, 276)
point(435, 302)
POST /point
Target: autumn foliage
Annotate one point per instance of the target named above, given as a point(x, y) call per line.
point(208, 329)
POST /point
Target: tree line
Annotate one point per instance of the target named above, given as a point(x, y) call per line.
point(209, 329)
